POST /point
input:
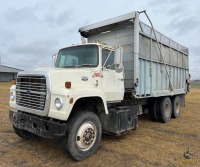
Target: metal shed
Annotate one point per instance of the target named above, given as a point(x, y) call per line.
point(8, 73)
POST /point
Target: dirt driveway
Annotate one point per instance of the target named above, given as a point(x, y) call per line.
point(152, 144)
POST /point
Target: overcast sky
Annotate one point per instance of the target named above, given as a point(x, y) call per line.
point(31, 31)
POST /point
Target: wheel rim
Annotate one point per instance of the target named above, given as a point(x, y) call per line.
point(167, 110)
point(86, 136)
point(177, 107)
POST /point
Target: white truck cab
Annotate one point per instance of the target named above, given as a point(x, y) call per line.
point(85, 80)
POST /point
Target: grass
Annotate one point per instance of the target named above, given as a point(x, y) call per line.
point(152, 144)
point(195, 84)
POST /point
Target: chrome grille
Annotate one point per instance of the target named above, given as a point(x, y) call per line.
point(31, 92)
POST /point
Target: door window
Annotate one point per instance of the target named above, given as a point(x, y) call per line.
point(107, 58)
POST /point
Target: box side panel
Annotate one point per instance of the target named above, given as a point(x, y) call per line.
point(155, 74)
point(145, 47)
point(153, 79)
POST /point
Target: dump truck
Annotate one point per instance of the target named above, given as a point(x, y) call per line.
point(123, 68)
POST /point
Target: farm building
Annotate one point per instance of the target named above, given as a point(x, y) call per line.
point(8, 73)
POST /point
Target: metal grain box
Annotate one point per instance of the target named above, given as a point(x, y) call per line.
point(145, 71)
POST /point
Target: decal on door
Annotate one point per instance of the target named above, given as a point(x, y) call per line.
point(97, 75)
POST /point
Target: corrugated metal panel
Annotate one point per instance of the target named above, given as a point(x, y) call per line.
point(155, 52)
point(146, 30)
point(166, 52)
point(145, 51)
point(6, 77)
point(9, 69)
point(156, 83)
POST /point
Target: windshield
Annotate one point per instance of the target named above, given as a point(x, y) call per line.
point(78, 56)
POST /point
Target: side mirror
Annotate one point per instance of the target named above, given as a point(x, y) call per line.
point(118, 59)
point(54, 58)
point(118, 55)
point(119, 68)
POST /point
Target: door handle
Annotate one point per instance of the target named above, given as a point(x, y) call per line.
point(97, 83)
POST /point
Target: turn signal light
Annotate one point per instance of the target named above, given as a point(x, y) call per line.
point(13, 82)
point(71, 100)
point(68, 85)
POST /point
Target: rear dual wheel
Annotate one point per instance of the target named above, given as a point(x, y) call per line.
point(164, 109)
point(176, 107)
point(153, 110)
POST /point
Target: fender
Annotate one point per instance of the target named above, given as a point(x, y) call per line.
point(75, 93)
point(90, 92)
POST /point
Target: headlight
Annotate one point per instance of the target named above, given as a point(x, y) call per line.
point(58, 103)
point(12, 96)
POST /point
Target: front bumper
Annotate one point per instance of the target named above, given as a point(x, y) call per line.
point(38, 125)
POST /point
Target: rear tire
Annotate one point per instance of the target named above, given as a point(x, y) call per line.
point(23, 133)
point(153, 110)
point(83, 135)
point(165, 110)
point(176, 107)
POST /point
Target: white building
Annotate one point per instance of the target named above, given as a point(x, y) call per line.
point(8, 73)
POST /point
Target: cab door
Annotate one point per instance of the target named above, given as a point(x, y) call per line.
point(112, 81)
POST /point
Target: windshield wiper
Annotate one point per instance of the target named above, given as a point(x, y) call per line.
point(68, 66)
point(86, 65)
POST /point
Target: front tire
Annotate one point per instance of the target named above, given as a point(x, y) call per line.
point(83, 135)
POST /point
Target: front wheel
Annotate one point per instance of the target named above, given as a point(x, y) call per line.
point(83, 136)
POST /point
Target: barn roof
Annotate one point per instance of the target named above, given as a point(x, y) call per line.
point(9, 69)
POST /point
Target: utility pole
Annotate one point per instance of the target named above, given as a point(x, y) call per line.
point(0, 60)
